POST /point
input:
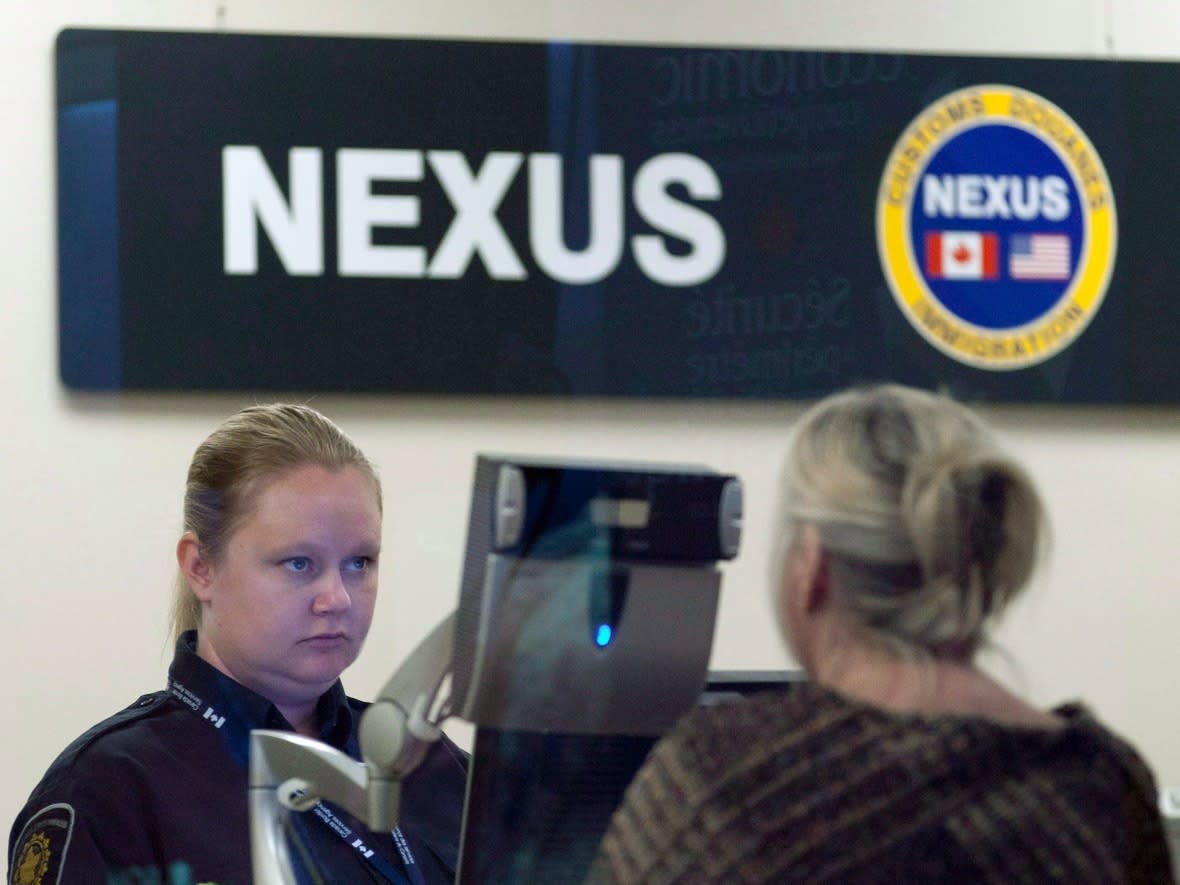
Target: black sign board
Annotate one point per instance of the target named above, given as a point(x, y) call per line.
point(245, 212)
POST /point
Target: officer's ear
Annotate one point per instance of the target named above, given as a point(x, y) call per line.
point(197, 570)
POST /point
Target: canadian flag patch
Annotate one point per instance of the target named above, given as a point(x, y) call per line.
point(962, 255)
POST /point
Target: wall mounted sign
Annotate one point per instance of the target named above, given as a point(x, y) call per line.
point(246, 212)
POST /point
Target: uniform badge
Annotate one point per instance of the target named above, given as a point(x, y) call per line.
point(996, 227)
point(41, 849)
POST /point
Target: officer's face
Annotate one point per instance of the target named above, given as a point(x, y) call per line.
point(288, 605)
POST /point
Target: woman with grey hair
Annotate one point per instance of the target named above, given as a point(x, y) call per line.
point(907, 532)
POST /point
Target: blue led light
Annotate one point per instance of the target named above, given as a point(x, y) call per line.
point(603, 637)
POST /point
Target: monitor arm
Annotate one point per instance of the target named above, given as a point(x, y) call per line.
point(400, 725)
point(290, 772)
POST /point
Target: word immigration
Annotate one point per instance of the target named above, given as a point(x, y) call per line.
point(687, 246)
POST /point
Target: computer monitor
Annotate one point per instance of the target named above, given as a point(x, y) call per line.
point(538, 803)
point(589, 593)
point(583, 632)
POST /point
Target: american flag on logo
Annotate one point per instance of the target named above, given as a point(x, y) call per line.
point(1038, 256)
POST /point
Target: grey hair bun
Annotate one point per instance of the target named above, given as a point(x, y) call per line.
point(931, 529)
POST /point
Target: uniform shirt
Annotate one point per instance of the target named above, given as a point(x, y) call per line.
point(158, 794)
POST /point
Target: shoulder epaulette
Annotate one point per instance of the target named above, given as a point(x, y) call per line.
point(143, 706)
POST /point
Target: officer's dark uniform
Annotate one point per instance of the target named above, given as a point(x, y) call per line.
point(157, 794)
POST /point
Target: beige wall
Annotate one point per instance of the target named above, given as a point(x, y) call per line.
point(90, 485)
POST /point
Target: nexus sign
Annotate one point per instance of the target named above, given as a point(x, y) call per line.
point(253, 201)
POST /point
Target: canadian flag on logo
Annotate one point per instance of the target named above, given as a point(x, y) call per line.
point(962, 255)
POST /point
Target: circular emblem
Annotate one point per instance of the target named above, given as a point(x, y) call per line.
point(996, 227)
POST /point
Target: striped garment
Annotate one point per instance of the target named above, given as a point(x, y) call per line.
point(812, 787)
